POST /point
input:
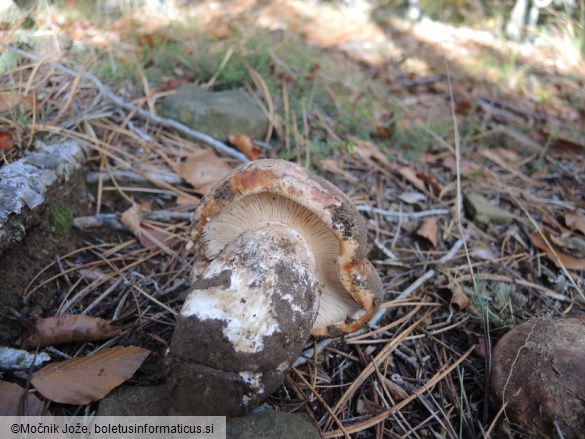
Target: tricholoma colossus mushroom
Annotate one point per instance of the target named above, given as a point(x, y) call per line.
point(287, 258)
point(538, 378)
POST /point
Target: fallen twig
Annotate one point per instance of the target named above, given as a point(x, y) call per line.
point(112, 220)
point(398, 214)
point(127, 176)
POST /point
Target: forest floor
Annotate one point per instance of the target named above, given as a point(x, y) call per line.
point(464, 152)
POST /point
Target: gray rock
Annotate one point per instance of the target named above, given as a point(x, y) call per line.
point(271, 425)
point(217, 114)
point(135, 401)
point(484, 212)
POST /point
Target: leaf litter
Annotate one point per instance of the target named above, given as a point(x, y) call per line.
point(40, 332)
point(83, 380)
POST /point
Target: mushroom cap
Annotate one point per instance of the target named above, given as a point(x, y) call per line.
point(283, 192)
point(538, 371)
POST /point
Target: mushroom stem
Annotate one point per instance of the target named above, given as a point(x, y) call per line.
point(249, 316)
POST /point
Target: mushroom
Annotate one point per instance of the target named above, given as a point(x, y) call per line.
point(538, 377)
point(282, 255)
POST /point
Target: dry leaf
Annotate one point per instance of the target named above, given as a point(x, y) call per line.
point(466, 166)
point(556, 240)
point(507, 155)
point(365, 406)
point(397, 392)
point(151, 237)
point(131, 218)
point(564, 147)
point(428, 230)
point(480, 348)
point(411, 176)
point(6, 141)
point(244, 144)
point(369, 150)
point(553, 251)
point(459, 300)
point(385, 126)
point(463, 107)
point(68, 328)
point(83, 380)
point(431, 181)
point(202, 170)
point(384, 132)
point(10, 100)
point(148, 236)
point(186, 202)
point(575, 222)
point(12, 399)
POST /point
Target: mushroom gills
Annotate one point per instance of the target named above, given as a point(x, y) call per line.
point(255, 210)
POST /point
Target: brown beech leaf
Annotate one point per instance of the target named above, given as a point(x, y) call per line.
point(411, 176)
point(575, 222)
point(151, 237)
point(553, 251)
point(186, 202)
point(480, 348)
point(397, 392)
point(83, 380)
point(428, 230)
point(10, 100)
point(459, 300)
point(202, 170)
point(244, 144)
point(467, 166)
point(148, 236)
point(507, 155)
point(67, 328)
point(431, 181)
point(369, 150)
point(564, 147)
point(12, 401)
point(6, 141)
point(366, 406)
point(131, 218)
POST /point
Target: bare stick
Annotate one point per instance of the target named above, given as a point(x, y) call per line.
point(127, 176)
point(398, 214)
point(112, 220)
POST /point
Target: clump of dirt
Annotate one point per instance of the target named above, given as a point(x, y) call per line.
point(48, 238)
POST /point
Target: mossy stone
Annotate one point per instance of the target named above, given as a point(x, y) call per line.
point(217, 114)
